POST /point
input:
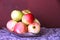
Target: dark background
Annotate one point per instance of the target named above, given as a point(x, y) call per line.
point(47, 11)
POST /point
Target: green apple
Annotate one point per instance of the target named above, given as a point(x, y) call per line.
point(16, 15)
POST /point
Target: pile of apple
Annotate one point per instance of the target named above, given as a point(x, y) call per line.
point(23, 22)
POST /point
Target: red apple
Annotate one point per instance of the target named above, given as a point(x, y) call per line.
point(28, 19)
point(26, 11)
point(10, 25)
point(34, 28)
point(20, 28)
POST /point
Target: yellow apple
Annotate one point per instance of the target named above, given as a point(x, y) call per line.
point(16, 15)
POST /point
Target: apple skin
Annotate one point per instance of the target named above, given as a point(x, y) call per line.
point(28, 19)
point(16, 15)
point(36, 20)
point(20, 28)
point(34, 28)
point(26, 11)
point(10, 25)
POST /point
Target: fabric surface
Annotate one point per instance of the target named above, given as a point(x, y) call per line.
point(46, 34)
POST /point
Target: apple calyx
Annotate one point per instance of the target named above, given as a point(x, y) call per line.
point(34, 27)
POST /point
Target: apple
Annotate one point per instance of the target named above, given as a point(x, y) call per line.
point(16, 15)
point(36, 20)
point(20, 28)
point(26, 11)
point(28, 19)
point(34, 28)
point(10, 25)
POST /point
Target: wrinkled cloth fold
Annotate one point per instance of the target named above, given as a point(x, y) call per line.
point(46, 34)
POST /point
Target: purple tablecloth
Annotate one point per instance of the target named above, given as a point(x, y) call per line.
point(46, 34)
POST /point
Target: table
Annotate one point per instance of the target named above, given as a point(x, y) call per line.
point(46, 34)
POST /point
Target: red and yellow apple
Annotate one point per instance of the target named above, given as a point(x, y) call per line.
point(26, 11)
point(28, 19)
point(10, 25)
point(16, 15)
point(36, 20)
point(34, 28)
point(20, 28)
